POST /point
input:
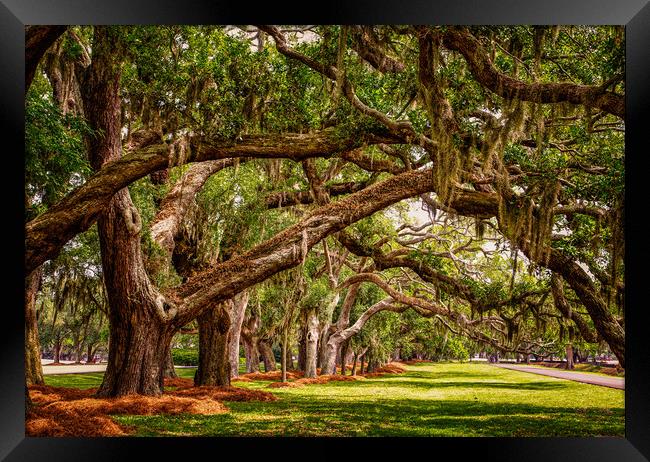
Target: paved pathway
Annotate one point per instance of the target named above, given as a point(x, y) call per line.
point(612, 382)
point(73, 369)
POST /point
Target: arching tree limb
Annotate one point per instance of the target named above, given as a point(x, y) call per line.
point(483, 70)
point(47, 233)
point(37, 40)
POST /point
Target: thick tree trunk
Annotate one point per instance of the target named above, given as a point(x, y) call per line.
point(604, 322)
point(139, 336)
point(302, 351)
point(322, 342)
point(139, 347)
point(370, 367)
point(354, 364)
point(267, 355)
point(569, 356)
point(344, 355)
point(336, 340)
point(290, 364)
point(328, 365)
point(33, 367)
point(214, 366)
point(57, 350)
point(311, 343)
point(168, 368)
point(78, 349)
point(283, 358)
point(89, 354)
point(250, 337)
point(252, 355)
point(240, 302)
point(139, 316)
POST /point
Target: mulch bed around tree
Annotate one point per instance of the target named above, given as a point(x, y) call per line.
point(392, 368)
point(61, 411)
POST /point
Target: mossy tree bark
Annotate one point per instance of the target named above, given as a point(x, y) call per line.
point(33, 367)
point(140, 333)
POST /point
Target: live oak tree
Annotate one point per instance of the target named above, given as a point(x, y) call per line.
point(518, 130)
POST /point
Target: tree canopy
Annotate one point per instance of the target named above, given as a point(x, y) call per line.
point(431, 190)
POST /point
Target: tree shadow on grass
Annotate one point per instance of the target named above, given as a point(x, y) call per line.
point(319, 416)
point(432, 384)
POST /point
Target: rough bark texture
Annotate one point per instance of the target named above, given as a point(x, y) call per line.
point(37, 40)
point(285, 250)
point(563, 307)
point(33, 367)
point(302, 348)
point(267, 355)
point(166, 224)
point(249, 337)
point(569, 356)
point(140, 334)
point(344, 354)
point(311, 343)
point(60, 71)
point(46, 234)
point(252, 356)
point(509, 88)
point(214, 365)
point(240, 302)
point(606, 325)
point(287, 199)
point(336, 340)
point(283, 356)
point(354, 364)
point(366, 43)
point(325, 330)
point(168, 369)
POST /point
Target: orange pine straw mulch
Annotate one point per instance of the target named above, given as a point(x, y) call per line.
point(178, 382)
point(60, 411)
point(392, 368)
point(285, 384)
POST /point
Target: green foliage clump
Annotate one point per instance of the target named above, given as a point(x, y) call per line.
point(185, 357)
point(55, 160)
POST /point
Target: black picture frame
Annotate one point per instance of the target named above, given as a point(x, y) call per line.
point(634, 14)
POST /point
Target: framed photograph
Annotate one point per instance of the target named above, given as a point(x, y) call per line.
point(253, 228)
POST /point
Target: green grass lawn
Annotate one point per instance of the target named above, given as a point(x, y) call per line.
point(447, 399)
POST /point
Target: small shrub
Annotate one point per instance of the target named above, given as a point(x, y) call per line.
point(185, 357)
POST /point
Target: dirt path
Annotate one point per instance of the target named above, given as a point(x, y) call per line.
point(611, 382)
